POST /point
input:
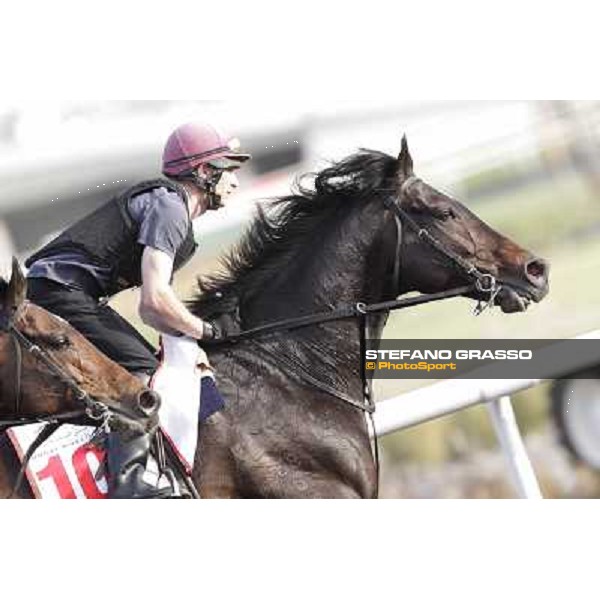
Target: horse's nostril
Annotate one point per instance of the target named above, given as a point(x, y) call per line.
point(149, 401)
point(536, 269)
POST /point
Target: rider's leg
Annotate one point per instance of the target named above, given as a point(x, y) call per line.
point(126, 458)
point(100, 324)
point(127, 448)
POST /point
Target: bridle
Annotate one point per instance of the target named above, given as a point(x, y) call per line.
point(485, 283)
point(91, 408)
point(92, 412)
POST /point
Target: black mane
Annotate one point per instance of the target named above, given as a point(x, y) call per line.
point(274, 237)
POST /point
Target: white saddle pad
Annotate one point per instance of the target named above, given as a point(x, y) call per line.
point(67, 465)
point(177, 380)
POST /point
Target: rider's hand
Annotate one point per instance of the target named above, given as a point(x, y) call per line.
point(221, 327)
point(210, 332)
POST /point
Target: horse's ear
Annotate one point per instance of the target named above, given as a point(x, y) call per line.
point(405, 161)
point(17, 287)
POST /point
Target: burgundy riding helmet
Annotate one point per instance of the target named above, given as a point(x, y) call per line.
point(193, 144)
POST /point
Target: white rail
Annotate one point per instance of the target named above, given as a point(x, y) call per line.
point(507, 431)
point(446, 397)
point(440, 399)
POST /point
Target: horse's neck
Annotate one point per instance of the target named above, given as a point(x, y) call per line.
point(334, 270)
point(341, 270)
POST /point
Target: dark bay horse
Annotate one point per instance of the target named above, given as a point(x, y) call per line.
point(334, 243)
point(30, 387)
point(281, 434)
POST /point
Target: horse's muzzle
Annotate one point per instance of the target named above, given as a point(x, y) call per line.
point(536, 274)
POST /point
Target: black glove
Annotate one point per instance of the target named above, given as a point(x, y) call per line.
point(224, 326)
point(210, 332)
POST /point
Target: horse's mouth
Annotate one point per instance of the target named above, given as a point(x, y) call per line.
point(513, 300)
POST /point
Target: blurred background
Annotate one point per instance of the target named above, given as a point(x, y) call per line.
point(529, 168)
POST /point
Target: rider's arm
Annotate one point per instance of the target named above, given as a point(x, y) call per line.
point(159, 306)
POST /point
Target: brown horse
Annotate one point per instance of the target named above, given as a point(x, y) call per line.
point(30, 387)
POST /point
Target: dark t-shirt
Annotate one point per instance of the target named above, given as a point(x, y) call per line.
point(163, 219)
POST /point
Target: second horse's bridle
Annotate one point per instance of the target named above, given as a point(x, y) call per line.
point(91, 409)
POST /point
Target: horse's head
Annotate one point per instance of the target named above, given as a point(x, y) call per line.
point(523, 276)
point(29, 387)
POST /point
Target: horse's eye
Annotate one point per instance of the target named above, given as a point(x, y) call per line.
point(446, 213)
point(59, 341)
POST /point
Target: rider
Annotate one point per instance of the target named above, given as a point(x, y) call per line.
point(139, 238)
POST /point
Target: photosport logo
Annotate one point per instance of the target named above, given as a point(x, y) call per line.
point(481, 359)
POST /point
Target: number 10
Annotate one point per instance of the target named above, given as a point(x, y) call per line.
point(56, 471)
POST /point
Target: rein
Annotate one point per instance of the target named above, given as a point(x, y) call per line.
point(345, 312)
point(483, 283)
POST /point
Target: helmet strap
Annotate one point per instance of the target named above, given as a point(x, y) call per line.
point(208, 184)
